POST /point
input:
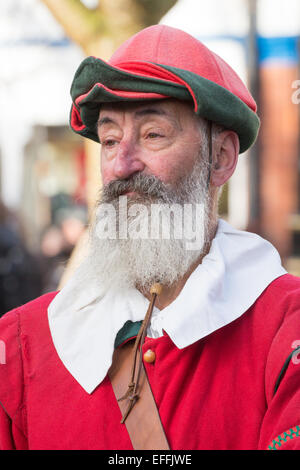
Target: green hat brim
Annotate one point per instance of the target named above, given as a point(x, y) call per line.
point(97, 82)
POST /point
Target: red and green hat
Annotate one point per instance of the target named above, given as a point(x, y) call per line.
point(162, 62)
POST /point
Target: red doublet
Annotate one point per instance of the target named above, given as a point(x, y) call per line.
point(217, 393)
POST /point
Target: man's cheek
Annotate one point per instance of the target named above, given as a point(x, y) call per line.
point(106, 174)
point(179, 169)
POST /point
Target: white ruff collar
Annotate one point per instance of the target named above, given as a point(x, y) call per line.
point(84, 321)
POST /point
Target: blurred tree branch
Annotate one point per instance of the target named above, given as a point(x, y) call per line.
point(109, 24)
point(99, 31)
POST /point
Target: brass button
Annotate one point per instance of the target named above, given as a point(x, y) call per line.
point(149, 356)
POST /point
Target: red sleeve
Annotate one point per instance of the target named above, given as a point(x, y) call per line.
point(11, 438)
point(12, 407)
point(281, 425)
point(6, 438)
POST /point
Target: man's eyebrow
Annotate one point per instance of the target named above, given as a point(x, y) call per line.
point(147, 111)
point(105, 120)
point(137, 114)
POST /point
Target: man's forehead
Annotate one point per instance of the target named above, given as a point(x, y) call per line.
point(161, 107)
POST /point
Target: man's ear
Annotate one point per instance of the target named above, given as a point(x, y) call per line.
point(225, 156)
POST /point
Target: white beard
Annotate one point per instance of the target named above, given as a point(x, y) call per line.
point(140, 262)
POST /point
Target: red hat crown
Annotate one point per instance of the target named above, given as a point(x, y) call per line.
point(165, 45)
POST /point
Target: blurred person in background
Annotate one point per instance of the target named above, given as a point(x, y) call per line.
point(20, 279)
point(57, 243)
point(152, 344)
point(53, 257)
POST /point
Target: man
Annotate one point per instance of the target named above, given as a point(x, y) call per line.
point(219, 340)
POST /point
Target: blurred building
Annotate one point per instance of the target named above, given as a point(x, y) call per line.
point(42, 163)
point(43, 170)
point(260, 40)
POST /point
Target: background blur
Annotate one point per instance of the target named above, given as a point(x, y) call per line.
point(49, 177)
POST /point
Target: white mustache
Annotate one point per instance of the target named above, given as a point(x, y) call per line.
point(144, 185)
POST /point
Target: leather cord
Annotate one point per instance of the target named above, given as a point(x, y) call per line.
point(143, 423)
point(132, 393)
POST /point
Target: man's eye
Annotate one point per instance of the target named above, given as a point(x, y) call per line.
point(153, 135)
point(108, 142)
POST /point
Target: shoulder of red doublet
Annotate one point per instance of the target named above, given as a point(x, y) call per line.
point(280, 306)
point(282, 295)
point(35, 307)
point(287, 282)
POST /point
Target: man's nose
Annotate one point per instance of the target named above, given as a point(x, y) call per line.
point(127, 161)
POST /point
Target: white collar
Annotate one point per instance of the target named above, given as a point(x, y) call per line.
point(84, 321)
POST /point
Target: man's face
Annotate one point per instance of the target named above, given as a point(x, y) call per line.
point(160, 138)
point(155, 154)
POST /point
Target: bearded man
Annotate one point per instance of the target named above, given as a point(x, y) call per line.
point(182, 337)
